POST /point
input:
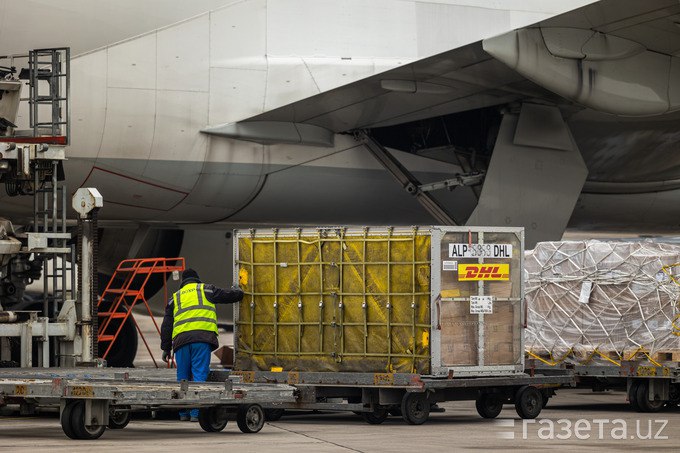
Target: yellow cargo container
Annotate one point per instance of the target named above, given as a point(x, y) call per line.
point(371, 300)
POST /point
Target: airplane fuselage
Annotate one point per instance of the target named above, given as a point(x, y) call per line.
point(139, 106)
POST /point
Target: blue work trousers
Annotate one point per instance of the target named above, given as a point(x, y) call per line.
point(193, 364)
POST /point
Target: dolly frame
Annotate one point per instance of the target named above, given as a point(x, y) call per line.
point(102, 392)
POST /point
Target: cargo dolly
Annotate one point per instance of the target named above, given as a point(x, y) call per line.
point(381, 320)
point(649, 387)
point(90, 400)
point(375, 396)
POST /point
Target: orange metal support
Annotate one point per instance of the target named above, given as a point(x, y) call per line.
point(134, 275)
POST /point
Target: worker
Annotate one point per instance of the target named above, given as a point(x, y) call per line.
point(190, 329)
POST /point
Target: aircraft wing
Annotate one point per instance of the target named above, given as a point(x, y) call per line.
point(634, 43)
point(461, 79)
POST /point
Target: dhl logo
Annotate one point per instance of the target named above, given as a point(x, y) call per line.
point(468, 272)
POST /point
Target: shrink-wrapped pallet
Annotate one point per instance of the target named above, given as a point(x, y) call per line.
point(593, 302)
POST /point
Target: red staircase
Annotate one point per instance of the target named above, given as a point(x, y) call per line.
point(134, 274)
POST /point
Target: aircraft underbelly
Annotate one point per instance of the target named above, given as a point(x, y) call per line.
point(229, 192)
point(626, 149)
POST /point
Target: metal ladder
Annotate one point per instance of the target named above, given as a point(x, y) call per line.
point(51, 67)
point(49, 220)
point(35, 156)
point(125, 290)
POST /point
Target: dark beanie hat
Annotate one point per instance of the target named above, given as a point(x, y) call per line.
point(189, 274)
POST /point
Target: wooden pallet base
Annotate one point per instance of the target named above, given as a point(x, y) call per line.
point(662, 356)
point(671, 356)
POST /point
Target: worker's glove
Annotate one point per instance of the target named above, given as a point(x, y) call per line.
point(239, 293)
point(166, 356)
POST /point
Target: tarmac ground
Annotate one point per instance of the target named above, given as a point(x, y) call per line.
point(575, 419)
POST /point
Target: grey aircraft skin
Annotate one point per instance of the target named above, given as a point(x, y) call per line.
point(218, 178)
point(219, 114)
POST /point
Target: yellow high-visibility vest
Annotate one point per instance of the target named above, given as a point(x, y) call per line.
point(192, 310)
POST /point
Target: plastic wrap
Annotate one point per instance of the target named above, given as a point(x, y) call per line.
point(591, 302)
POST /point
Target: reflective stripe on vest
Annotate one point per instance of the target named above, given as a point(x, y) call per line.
point(192, 310)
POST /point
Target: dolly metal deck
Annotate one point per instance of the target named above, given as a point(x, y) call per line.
point(90, 399)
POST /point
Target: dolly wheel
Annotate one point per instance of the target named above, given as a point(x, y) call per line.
point(632, 395)
point(415, 408)
point(643, 399)
point(66, 425)
point(528, 402)
point(75, 423)
point(376, 417)
point(119, 417)
point(250, 418)
point(489, 405)
point(212, 419)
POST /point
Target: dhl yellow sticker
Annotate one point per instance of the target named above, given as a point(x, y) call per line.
point(486, 271)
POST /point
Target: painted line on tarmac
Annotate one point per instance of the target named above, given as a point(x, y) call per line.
point(315, 438)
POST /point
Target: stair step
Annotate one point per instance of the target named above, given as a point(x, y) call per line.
point(114, 315)
point(125, 292)
point(139, 270)
point(103, 338)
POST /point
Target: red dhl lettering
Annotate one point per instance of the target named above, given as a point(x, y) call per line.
point(483, 272)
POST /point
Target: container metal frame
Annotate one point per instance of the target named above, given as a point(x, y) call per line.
point(437, 368)
point(437, 234)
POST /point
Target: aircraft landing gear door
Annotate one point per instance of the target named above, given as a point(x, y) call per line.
point(477, 301)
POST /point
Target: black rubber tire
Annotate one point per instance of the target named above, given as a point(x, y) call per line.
point(415, 408)
point(212, 419)
point(632, 395)
point(272, 415)
point(250, 418)
point(119, 419)
point(81, 431)
point(376, 417)
point(528, 402)
point(643, 401)
point(65, 419)
point(489, 405)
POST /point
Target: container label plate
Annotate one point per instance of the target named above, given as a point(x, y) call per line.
point(481, 305)
point(480, 250)
point(450, 265)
